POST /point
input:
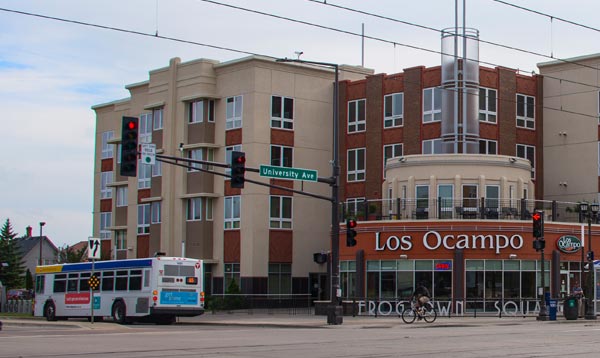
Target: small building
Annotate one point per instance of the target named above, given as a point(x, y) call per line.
point(29, 247)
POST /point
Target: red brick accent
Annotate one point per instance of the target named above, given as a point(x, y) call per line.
point(507, 112)
point(355, 90)
point(432, 131)
point(432, 77)
point(280, 246)
point(282, 137)
point(488, 77)
point(488, 131)
point(393, 83)
point(283, 183)
point(105, 205)
point(231, 246)
point(233, 137)
point(106, 165)
point(143, 194)
point(143, 246)
point(413, 95)
point(392, 136)
point(229, 191)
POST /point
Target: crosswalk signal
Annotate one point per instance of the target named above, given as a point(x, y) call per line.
point(538, 224)
point(238, 169)
point(129, 146)
point(350, 232)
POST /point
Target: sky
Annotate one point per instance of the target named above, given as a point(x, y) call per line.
point(52, 72)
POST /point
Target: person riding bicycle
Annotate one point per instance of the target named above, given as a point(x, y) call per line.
point(421, 296)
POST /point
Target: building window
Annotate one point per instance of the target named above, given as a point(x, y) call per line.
point(280, 279)
point(121, 196)
point(446, 197)
point(157, 169)
point(231, 274)
point(157, 118)
point(432, 146)
point(228, 150)
point(145, 132)
point(194, 209)
point(120, 240)
point(232, 212)
point(432, 105)
point(393, 110)
point(195, 154)
point(233, 112)
point(469, 196)
point(487, 105)
point(196, 112)
point(155, 209)
point(281, 156)
point(391, 151)
point(105, 223)
point(527, 152)
point(144, 175)
point(357, 119)
point(348, 278)
point(487, 146)
point(107, 149)
point(211, 110)
point(106, 178)
point(356, 165)
point(355, 206)
point(281, 212)
point(492, 196)
point(282, 112)
point(422, 196)
point(143, 226)
point(209, 209)
point(525, 111)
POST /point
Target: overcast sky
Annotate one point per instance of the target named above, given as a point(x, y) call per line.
point(52, 72)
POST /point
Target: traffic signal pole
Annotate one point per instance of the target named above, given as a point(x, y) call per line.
point(539, 244)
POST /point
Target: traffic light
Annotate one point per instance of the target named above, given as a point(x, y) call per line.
point(238, 169)
point(129, 147)
point(539, 244)
point(590, 255)
point(538, 224)
point(350, 232)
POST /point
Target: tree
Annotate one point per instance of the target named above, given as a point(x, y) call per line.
point(67, 254)
point(12, 273)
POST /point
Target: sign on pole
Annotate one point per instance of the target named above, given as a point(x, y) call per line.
point(148, 151)
point(94, 248)
point(288, 173)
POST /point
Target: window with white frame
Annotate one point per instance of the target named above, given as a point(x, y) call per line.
point(196, 112)
point(195, 154)
point(143, 225)
point(105, 224)
point(282, 112)
point(357, 117)
point(121, 196)
point(445, 193)
point(119, 153)
point(282, 156)
point(145, 132)
point(355, 206)
point(209, 209)
point(422, 196)
point(120, 240)
point(155, 207)
point(432, 105)
point(231, 273)
point(194, 209)
point(281, 212)
point(280, 279)
point(107, 149)
point(525, 111)
point(470, 197)
point(144, 175)
point(157, 118)
point(393, 115)
point(228, 150)
point(233, 112)
point(356, 165)
point(157, 169)
point(232, 212)
point(487, 105)
point(391, 151)
point(211, 110)
point(492, 196)
point(527, 152)
point(432, 146)
point(487, 146)
point(106, 178)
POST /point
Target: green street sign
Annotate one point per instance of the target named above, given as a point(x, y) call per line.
point(288, 173)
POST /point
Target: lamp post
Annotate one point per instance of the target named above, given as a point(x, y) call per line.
point(334, 313)
point(41, 225)
point(591, 212)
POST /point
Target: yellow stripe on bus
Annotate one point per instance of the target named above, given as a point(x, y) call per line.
point(48, 269)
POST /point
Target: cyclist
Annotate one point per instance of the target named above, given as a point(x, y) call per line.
point(421, 296)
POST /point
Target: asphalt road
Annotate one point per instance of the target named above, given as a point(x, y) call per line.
point(264, 336)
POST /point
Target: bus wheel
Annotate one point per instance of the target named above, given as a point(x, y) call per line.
point(118, 312)
point(50, 311)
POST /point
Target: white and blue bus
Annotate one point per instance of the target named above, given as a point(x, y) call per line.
point(154, 289)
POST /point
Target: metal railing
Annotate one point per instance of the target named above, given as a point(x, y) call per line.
point(261, 303)
point(17, 306)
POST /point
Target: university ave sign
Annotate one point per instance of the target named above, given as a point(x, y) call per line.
point(288, 173)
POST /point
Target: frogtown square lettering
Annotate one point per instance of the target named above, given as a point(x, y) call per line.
point(432, 240)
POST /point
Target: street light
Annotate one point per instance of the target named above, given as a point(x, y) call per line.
point(41, 225)
point(591, 212)
point(334, 308)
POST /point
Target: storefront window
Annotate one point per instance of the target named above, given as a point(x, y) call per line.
point(348, 278)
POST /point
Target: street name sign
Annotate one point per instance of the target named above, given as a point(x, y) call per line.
point(288, 173)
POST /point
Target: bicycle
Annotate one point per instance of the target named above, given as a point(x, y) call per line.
point(426, 312)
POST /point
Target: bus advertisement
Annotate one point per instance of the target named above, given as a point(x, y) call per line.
point(156, 289)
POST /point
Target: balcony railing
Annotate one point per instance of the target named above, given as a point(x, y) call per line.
point(463, 209)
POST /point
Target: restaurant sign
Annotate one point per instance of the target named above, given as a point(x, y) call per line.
point(568, 244)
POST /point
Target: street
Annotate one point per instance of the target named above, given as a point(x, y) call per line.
point(357, 337)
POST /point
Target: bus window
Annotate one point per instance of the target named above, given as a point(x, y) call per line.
point(108, 281)
point(179, 270)
point(72, 283)
point(146, 278)
point(39, 283)
point(135, 280)
point(60, 283)
point(84, 284)
point(121, 282)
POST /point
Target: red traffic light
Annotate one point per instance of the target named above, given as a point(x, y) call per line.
point(240, 160)
point(351, 223)
point(536, 216)
point(131, 125)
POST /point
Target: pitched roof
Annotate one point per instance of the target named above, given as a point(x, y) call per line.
point(26, 244)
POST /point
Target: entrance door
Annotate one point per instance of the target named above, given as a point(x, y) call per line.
point(564, 284)
point(318, 286)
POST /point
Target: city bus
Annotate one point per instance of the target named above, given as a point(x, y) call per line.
point(156, 289)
